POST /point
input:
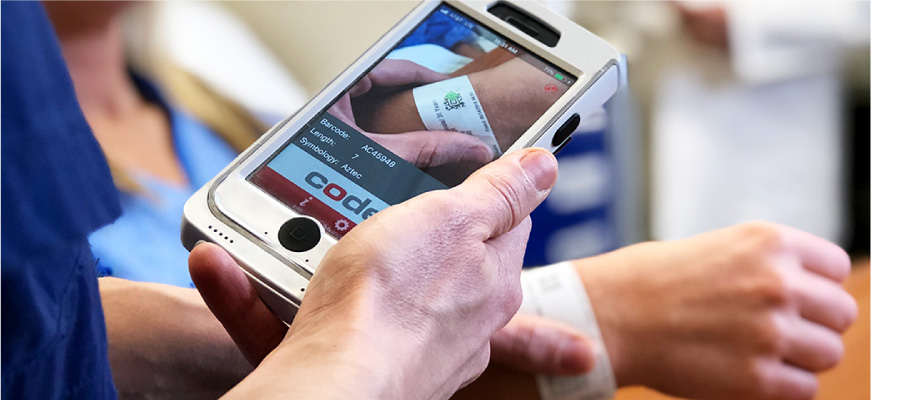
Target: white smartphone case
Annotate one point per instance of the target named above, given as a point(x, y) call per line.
point(226, 211)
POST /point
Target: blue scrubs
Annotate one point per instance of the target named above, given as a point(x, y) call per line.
point(441, 30)
point(144, 243)
point(56, 190)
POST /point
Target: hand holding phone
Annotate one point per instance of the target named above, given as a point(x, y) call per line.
point(452, 87)
point(420, 309)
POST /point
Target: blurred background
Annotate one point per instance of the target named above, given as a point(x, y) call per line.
point(741, 110)
point(737, 111)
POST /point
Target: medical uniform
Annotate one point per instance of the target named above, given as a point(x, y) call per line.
point(56, 189)
point(144, 243)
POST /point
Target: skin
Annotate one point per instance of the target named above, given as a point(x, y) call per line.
point(512, 88)
point(419, 147)
point(136, 134)
point(414, 322)
point(778, 314)
point(163, 340)
point(485, 61)
point(137, 314)
point(133, 133)
point(755, 310)
point(145, 327)
point(467, 50)
point(708, 25)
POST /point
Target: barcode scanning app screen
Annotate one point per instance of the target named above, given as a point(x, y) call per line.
point(451, 97)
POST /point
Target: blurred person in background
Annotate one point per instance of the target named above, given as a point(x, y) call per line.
point(159, 152)
point(171, 154)
point(803, 69)
point(745, 110)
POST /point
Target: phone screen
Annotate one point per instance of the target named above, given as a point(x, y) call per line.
point(451, 97)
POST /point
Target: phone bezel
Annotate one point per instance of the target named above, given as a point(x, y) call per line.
point(257, 215)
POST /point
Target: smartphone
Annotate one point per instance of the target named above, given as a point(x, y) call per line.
point(452, 86)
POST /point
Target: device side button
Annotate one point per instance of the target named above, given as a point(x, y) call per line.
point(560, 147)
point(565, 131)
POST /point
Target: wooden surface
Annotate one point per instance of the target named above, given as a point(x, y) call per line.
point(850, 379)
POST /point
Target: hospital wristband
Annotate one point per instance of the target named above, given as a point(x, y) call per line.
point(452, 105)
point(556, 292)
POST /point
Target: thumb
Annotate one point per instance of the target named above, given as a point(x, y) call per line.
point(539, 345)
point(506, 191)
point(233, 300)
point(433, 148)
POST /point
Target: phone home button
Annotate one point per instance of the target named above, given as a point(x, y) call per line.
point(299, 234)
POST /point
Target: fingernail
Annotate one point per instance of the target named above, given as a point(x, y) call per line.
point(578, 356)
point(199, 242)
point(540, 167)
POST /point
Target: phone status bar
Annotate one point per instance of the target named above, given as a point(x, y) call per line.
point(501, 42)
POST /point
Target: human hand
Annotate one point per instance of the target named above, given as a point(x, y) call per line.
point(747, 312)
point(513, 95)
point(527, 343)
point(424, 309)
point(418, 146)
point(707, 24)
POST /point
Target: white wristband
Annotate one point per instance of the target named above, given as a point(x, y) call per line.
point(452, 105)
point(556, 292)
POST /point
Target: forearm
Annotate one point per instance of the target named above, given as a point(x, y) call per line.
point(164, 342)
point(552, 293)
point(512, 95)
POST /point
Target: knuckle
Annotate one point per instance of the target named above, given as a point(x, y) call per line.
point(769, 288)
point(507, 196)
point(513, 302)
point(508, 300)
point(775, 290)
point(762, 236)
point(759, 378)
point(769, 334)
point(427, 154)
point(450, 210)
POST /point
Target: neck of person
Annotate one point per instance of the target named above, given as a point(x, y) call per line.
point(135, 134)
point(95, 56)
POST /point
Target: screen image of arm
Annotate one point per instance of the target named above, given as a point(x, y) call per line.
point(514, 94)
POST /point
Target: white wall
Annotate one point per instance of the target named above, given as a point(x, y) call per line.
point(316, 40)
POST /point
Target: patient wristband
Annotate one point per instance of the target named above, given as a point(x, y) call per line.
point(452, 105)
point(556, 292)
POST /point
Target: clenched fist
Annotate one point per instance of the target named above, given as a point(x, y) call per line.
point(748, 312)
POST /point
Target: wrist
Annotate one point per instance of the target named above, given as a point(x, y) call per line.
point(558, 292)
point(345, 347)
point(345, 342)
point(601, 285)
